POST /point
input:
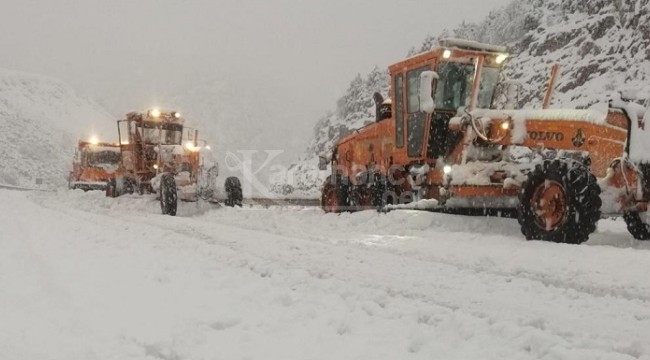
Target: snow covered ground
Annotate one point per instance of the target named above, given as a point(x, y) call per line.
point(87, 277)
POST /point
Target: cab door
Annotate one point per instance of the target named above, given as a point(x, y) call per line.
point(416, 120)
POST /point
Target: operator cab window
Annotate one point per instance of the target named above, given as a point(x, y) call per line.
point(489, 81)
point(416, 120)
point(95, 158)
point(412, 88)
point(454, 87)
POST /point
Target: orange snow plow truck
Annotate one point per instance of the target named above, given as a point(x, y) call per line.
point(446, 145)
point(94, 163)
point(159, 154)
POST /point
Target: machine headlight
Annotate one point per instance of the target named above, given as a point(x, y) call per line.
point(177, 115)
point(446, 169)
point(93, 140)
point(155, 112)
point(501, 58)
point(446, 54)
point(190, 146)
point(505, 125)
point(155, 166)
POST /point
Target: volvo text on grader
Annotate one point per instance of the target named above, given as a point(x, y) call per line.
point(444, 148)
point(160, 155)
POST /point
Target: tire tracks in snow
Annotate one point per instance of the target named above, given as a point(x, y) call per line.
point(285, 253)
point(310, 262)
point(519, 273)
point(605, 290)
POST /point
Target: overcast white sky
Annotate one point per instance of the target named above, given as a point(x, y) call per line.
point(301, 54)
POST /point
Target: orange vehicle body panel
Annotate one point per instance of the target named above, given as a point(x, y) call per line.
point(85, 175)
point(483, 190)
point(372, 149)
point(602, 142)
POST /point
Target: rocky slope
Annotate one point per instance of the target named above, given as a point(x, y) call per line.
point(40, 120)
point(353, 110)
point(603, 47)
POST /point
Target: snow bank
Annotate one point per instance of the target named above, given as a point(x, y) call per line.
point(85, 276)
point(40, 121)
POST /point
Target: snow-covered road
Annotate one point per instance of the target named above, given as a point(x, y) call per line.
point(87, 277)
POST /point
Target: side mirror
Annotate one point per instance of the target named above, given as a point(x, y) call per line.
point(425, 92)
point(322, 163)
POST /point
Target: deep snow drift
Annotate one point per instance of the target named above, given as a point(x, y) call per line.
point(88, 277)
point(40, 121)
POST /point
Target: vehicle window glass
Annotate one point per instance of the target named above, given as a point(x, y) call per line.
point(489, 80)
point(412, 88)
point(454, 86)
point(103, 157)
point(171, 137)
point(151, 136)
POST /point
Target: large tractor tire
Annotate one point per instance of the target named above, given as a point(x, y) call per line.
point(360, 198)
point(111, 188)
point(168, 195)
point(559, 202)
point(71, 185)
point(637, 224)
point(234, 194)
point(336, 194)
point(379, 190)
point(361, 195)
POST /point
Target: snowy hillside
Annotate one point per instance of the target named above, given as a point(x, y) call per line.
point(603, 47)
point(353, 110)
point(40, 119)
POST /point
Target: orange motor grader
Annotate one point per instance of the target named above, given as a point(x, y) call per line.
point(94, 163)
point(444, 148)
point(160, 155)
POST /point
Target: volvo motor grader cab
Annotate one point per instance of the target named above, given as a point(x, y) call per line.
point(444, 148)
point(160, 155)
point(94, 163)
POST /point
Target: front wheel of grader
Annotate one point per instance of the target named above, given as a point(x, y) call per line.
point(168, 195)
point(111, 188)
point(559, 202)
point(234, 194)
point(336, 194)
point(638, 224)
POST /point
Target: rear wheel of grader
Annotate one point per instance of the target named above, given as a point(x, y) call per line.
point(234, 194)
point(559, 202)
point(168, 195)
point(336, 194)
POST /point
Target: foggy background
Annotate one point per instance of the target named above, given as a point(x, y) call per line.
point(249, 74)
